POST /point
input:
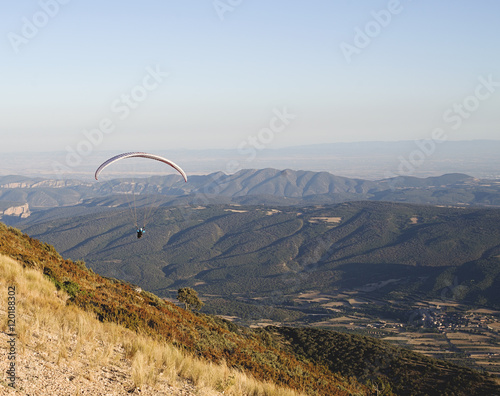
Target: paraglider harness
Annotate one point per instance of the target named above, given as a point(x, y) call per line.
point(140, 231)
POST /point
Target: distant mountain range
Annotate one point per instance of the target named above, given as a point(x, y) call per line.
point(250, 186)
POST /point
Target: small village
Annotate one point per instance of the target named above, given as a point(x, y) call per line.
point(470, 338)
point(445, 321)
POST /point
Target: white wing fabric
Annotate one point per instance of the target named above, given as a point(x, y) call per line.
point(119, 157)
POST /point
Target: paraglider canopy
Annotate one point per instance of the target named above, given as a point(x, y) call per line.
point(147, 212)
point(143, 155)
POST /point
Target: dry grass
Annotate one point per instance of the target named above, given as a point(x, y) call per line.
point(152, 360)
point(64, 334)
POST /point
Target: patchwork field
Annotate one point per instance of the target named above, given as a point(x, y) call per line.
point(467, 337)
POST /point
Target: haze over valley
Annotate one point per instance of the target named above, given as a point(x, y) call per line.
point(363, 160)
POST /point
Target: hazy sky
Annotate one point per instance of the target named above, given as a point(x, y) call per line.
point(160, 74)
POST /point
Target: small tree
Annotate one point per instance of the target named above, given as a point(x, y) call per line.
point(190, 298)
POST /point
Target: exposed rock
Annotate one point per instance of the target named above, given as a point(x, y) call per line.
point(21, 211)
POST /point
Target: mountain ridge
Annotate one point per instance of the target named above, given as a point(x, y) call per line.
point(285, 187)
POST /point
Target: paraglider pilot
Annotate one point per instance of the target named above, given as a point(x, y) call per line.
point(140, 231)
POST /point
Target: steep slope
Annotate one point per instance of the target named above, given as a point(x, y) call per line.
point(58, 349)
point(147, 355)
point(206, 337)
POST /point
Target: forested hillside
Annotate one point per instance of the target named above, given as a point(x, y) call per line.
point(276, 253)
point(288, 357)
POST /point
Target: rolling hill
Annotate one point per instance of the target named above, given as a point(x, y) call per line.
point(270, 255)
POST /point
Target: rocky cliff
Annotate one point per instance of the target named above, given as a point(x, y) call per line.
point(21, 211)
